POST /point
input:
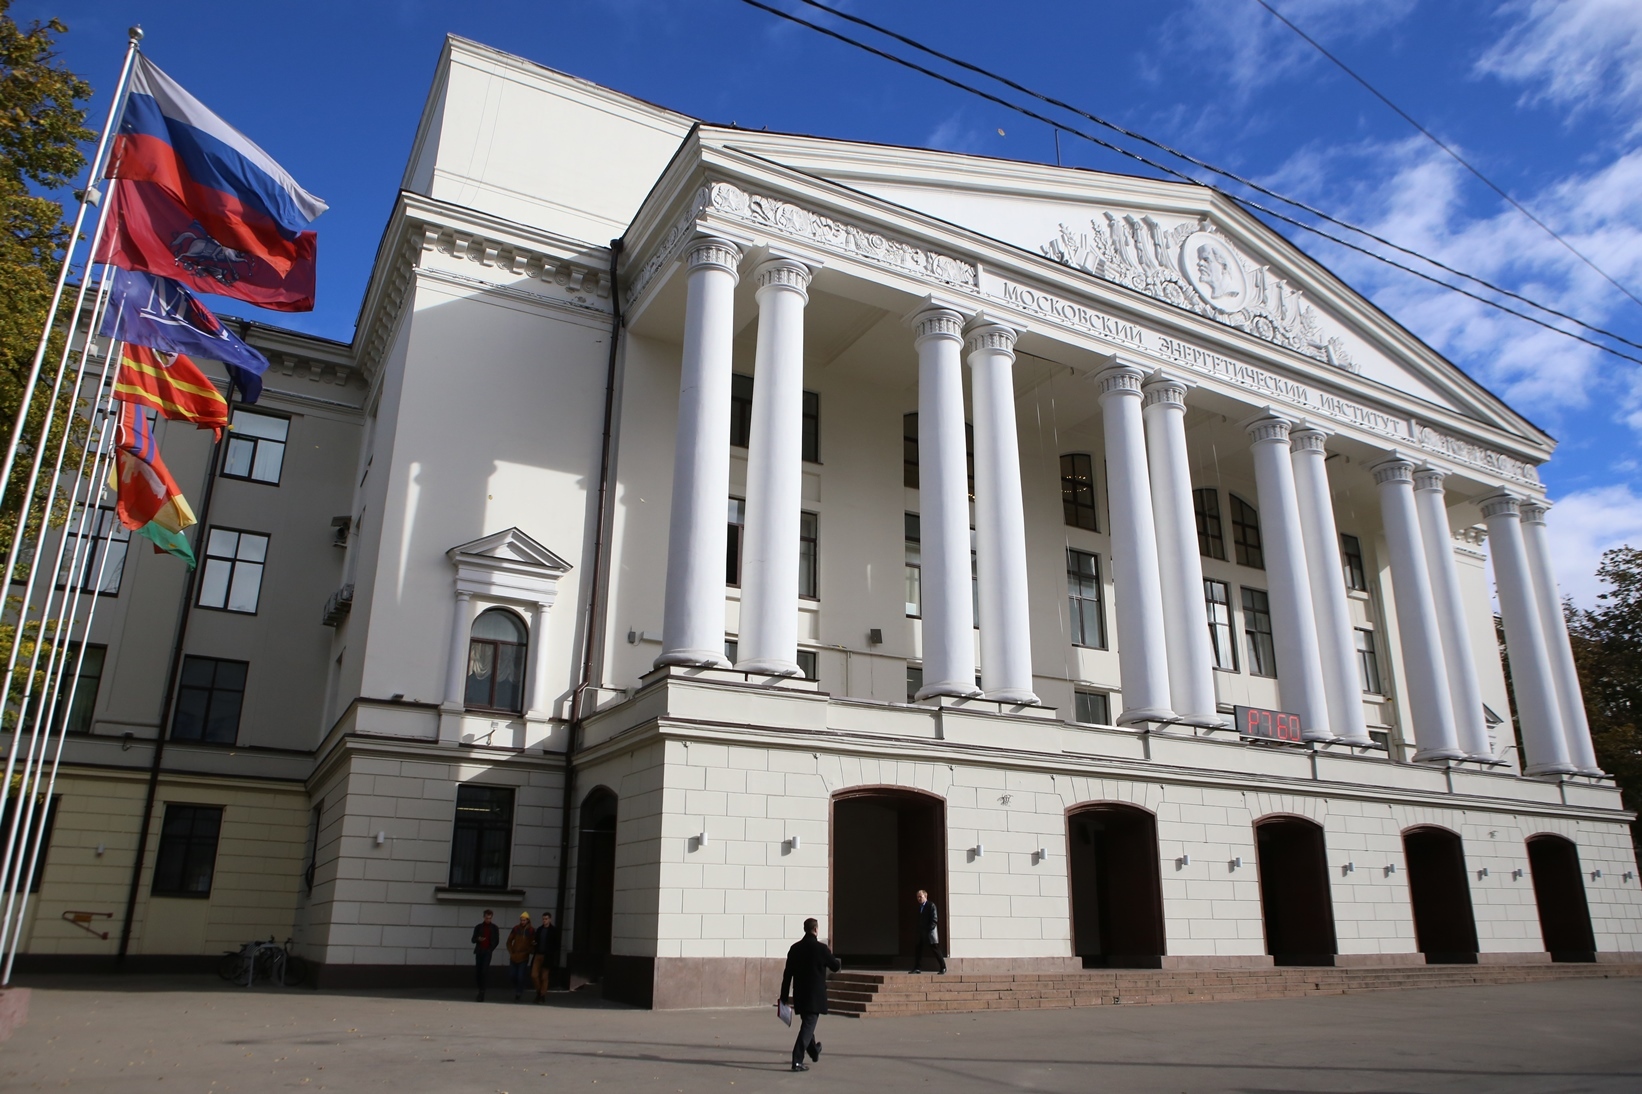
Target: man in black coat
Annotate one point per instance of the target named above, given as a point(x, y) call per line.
point(808, 963)
point(929, 933)
point(486, 936)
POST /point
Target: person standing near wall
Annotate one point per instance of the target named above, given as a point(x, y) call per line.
point(485, 939)
point(521, 948)
point(929, 933)
point(808, 962)
point(547, 956)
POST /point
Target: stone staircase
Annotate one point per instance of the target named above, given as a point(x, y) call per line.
point(885, 994)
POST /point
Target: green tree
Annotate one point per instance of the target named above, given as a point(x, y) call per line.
point(42, 129)
point(1608, 651)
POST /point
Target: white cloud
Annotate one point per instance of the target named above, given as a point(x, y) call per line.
point(1576, 54)
point(1584, 524)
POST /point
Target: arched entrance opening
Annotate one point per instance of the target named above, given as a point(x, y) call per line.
point(1438, 889)
point(595, 884)
point(887, 843)
point(1116, 893)
point(1559, 890)
point(1294, 891)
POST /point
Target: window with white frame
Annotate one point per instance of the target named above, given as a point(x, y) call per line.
point(1092, 707)
point(1368, 662)
point(1222, 631)
point(1083, 599)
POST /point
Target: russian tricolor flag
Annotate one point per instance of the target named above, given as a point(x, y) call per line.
point(245, 201)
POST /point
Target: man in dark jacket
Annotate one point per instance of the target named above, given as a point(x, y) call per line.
point(486, 937)
point(547, 956)
point(808, 963)
point(929, 933)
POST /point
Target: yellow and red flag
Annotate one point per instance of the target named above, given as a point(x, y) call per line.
point(172, 385)
point(145, 490)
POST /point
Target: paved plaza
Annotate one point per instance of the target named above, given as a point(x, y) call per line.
point(184, 1034)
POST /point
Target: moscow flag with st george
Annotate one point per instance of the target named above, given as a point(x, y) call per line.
point(194, 204)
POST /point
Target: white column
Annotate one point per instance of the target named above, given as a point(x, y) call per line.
point(943, 503)
point(1464, 689)
point(1532, 682)
point(693, 625)
point(1142, 645)
point(456, 667)
point(538, 692)
point(1430, 710)
point(1000, 522)
point(1186, 622)
point(1336, 647)
point(1293, 616)
point(768, 641)
point(1570, 700)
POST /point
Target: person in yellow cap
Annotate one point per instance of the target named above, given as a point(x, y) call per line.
point(521, 947)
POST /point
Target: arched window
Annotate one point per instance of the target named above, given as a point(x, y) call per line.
point(496, 661)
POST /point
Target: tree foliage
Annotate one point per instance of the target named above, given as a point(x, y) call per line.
point(1608, 651)
point(42, 129)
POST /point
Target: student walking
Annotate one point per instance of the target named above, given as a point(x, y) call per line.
point(929, 933)
point(547, 956)
point(808, 962)
point(521, 947)
point(485, 939)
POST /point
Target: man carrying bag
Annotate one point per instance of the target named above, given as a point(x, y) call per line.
point(808, 962)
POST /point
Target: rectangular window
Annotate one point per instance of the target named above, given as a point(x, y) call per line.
point(210, 693)
point(741, 410)
point(810, 442)
point(1094, 708)
point(45, 823)
point(483, 837)
point(915, 682)
point(1368, 662)
point(187, 857)
point(1211, 537)
point(1351, 560)
point(1077, 490)
point(1083, 599)
point(732, 552)
point(256, 447)
point(1222, 632)
point(108, 536)
point(732, 650)
point(909, 451)
point(89, 679)
point(915, 568)
point(809, 559)
point(1246, 534)
point(809, 665)
point(232, 580)
point(1257, 632)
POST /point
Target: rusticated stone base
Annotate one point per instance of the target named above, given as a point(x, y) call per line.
point(1213, 961)
point(1377, 960)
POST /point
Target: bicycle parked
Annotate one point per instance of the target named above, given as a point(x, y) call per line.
point(266, 961)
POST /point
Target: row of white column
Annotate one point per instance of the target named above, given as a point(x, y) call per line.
point(693, 627)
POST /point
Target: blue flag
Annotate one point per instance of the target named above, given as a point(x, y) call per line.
point(157, 312)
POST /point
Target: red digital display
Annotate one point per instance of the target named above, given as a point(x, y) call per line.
point(1268, 725)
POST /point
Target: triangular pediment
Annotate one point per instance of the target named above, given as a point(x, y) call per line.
point(1178, 244)
point(512, 549)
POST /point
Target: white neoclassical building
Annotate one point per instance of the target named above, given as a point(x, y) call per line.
point(733, 527)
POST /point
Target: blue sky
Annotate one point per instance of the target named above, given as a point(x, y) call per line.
point(1545, 96)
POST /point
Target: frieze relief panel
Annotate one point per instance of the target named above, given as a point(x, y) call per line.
point(1193, 266)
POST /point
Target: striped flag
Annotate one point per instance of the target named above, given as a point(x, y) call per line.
point(171, 384)
point(145, 490)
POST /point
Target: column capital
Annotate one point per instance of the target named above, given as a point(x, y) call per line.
point(987, 334)
point(1394, 468)
point(1270, 429)
point(1119, 379)
point(463, 596)
point(1534, 510)
point(1429, 478)
point(1308, 438)
point(1162, 389)
point(712, 252)
point(783, 273)
point(936, 322)
point(1501, 505)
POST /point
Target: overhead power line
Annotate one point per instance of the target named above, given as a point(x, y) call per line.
point(1176, 173)
point(1459, 159)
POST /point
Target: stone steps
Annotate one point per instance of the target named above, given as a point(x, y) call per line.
point(885, 994)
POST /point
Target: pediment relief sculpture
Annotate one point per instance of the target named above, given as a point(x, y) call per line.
point(1192, 266)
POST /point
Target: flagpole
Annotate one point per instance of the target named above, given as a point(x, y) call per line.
point(19, 834)
point(184, 613)
point(88, 197)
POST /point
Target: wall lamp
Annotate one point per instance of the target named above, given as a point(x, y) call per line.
point(793, 843)
point(1516, 874)
point(1236, 863)
point(1182, 862)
